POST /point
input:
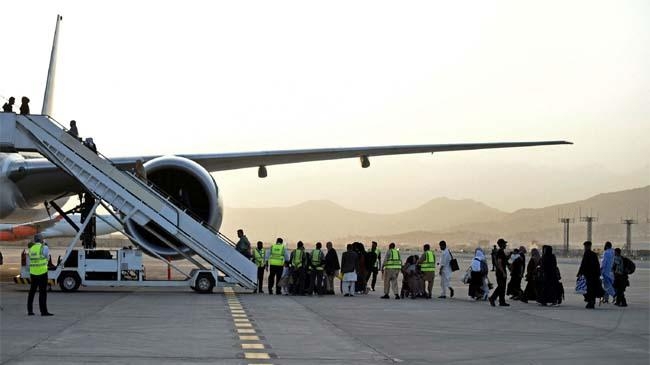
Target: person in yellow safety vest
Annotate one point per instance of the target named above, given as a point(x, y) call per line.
point(259, 258)
point(427, 264)
point(298, 262)
point(316, 266)
point(38, 254)
point(276, 256)
point(374, 269)
point(390, 271)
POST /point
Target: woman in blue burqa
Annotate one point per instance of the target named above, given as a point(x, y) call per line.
point(607, 273)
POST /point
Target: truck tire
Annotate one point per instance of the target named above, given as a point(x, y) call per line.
point(204, 283)
point(69, 281)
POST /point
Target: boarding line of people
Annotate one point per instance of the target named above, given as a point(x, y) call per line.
point(304, 272)
point(300, 272)
point(609, 278)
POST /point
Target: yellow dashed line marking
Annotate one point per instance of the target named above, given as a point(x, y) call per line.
point(252, 346)
point(256, 355)
point(249, 338)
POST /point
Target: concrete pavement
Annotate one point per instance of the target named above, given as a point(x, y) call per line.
point(180, 326)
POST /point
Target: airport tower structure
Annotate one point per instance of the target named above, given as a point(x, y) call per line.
point(628, 233)
point(566, 221)
point(589, 219)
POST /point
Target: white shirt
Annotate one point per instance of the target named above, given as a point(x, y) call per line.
point(445, 259)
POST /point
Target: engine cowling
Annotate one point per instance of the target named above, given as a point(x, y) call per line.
point(190, 186)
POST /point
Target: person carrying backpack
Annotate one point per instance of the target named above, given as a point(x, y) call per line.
point(622, 267)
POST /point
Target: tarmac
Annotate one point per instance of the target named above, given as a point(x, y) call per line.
point(142, 326)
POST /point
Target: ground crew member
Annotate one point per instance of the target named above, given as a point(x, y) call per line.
point(317, 265)
point(38, 254)
point(298, 261)
point(259, 257)
point(427, 264)
point(276, 256)
point(390, 271)
point(375, 268)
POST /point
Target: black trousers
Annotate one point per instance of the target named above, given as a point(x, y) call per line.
point(500, 291)
point(316, 282)
point(298, 287)
point(275, 273)
point(373, 272)
point(620, 283)
point(40, 282)
point(260, 279)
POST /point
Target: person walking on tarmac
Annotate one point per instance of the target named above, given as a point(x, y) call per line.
point(38, 254)
point(374, 269)
point(332, 267)
point(445, 271)
point(427, 264)
point(390, 271)
point(259, 257)
point(316, 265)
point(502, 275)
point(276, 256)
point(298, 262)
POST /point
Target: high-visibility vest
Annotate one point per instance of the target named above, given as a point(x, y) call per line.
point(37, 261)
point(393, 261)
point(429, 263)
point(378, 253)
point(277, 255)
point(259, 257)
point(297, 258)
point(315, 259)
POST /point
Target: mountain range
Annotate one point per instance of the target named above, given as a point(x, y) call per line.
point(457, 221)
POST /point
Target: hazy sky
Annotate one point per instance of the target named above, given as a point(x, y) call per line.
point(159, 77)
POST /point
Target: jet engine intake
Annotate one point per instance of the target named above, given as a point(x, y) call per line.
point(190, 187)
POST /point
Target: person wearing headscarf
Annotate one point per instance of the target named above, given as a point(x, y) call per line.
point(606, 272)
point(516, 274)
point(590, 269)
point(550, 288)
point(478, 288)
point(530, 293)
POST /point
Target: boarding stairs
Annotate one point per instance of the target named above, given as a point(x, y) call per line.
point(124, 193)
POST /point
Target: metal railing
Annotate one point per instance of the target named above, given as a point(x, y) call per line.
point(159, 192)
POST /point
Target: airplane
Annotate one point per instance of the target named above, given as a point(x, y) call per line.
point(184, 177)
point(54, 227)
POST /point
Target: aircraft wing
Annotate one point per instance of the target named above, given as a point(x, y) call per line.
point(240, 160)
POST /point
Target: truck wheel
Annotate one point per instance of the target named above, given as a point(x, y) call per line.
point(204, 283)
point(69, 281)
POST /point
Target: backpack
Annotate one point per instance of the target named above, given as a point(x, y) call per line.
point(628, 266)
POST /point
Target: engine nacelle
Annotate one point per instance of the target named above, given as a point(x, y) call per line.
point(190, 186)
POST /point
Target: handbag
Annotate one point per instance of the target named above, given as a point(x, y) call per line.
point(453, 264)
point(468, 275)
point(581, 285)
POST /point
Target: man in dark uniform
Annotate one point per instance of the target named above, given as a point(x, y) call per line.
point(502, 275)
